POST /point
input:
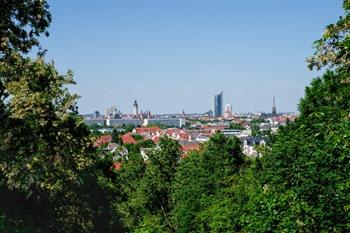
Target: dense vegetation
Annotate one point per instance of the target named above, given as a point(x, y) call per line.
point(53, 180)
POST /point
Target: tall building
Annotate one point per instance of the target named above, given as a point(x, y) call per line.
point(110, 111)
point(96, 114)
point(274, 110)
point(135, 109)
point(228, 111)
point(218, 105)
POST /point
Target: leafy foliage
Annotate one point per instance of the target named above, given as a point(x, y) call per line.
point(42, 128)
point(137, 137)
point(332, 50)
point(236, 126)
point(116, 137)
point(21, 23)
point(46, 153)
point(52, 179)
point(146, 189)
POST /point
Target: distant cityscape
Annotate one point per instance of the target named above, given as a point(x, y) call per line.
point(114, 117)
point(191, 129)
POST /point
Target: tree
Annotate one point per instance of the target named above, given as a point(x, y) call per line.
point(255, 130)
point(128, 128)
point(236, 126)
point(46, 152)
point(116, 137)
point(333, 49)
point(21, 23)
point(306, 173)
point(222, 157)
point(201, 179)
point(137, 137)
point(146, 189)
point(188, 188)
point(128, 202)
point(49, 177)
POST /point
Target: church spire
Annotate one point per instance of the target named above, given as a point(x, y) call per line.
point(274, 111)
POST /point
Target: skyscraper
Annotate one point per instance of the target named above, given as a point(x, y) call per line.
point(274, 111)
point(96, 114)
point(218, 105)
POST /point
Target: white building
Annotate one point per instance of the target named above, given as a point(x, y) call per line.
point(228, 111)
point(175, 122)
point(119, 122)
point(110, 111)
point(249, 144)
point(93, 121)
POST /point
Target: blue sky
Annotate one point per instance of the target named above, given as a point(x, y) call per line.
point(175, 55)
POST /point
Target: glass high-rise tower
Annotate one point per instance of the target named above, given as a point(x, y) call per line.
point(218, 105)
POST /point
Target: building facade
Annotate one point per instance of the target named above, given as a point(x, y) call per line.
point(175, 122)
point(111, 111)
point(218, 105)
point(120, 122)
point(228, 111)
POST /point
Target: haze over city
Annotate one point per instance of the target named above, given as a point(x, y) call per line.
point(175, 55)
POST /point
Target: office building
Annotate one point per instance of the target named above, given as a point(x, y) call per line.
point(218, 105)
point(119, 122)
point(170, 122)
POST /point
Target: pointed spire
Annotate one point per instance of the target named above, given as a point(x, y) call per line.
point(274, 110)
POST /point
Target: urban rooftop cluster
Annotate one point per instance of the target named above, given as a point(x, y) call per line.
point(190, 130)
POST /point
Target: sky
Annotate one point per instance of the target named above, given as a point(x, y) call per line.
point(172, 56)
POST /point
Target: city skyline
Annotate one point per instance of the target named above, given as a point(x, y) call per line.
point(173, 56)
point(134, 109)
point(217, 109)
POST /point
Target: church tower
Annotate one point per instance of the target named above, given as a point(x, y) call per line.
point(274, 111)
point(135, 109)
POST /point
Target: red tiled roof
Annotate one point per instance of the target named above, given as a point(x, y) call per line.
point(190, 147)
point(117, 166)
point(216, 127)
point(283, 119)
point(147, 130)
point(104, 139)
point(175, 130)
point(156, 139)
point(128, 139)
point(184, 136)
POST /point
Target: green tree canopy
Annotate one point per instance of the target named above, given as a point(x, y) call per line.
point(146, 188)
point(46, 152)
point(21, 23)
point(116, 137)
point(306, 173)
point(333, 49)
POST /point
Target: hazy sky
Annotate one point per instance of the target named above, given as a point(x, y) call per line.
point(175, 55)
